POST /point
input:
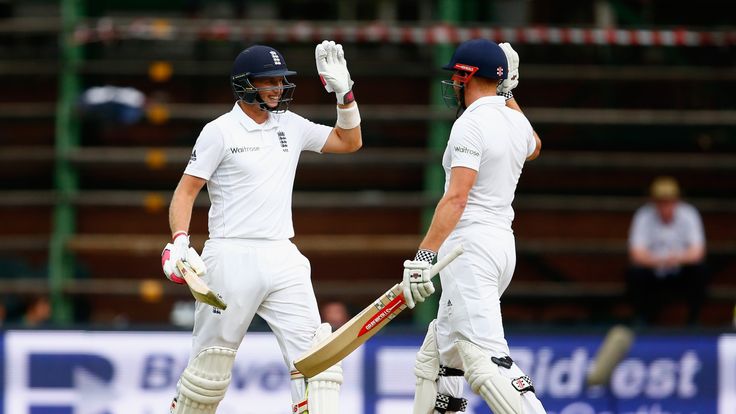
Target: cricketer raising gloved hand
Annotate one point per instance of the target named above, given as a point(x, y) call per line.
point(333, 70)
point(417, 284)
point(512, 80)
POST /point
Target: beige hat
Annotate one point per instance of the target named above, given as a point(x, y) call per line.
point(664, 188)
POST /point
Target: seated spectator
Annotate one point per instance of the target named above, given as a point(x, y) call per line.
point(667, 254)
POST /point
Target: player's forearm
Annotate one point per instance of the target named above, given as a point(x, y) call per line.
point(446, 216)
point(511, 103)
point(179, 215)
point(180, 210)
point(351, 138)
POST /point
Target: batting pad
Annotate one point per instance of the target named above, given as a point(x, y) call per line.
point(485, 379)
point(426, 369)
point(203, 384)
point(323, 389)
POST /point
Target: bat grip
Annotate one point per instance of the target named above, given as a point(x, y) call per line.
point(437, 267)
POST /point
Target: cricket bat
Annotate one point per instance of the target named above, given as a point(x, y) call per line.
point(361, 327)
point(198, 287)
point(614, 348)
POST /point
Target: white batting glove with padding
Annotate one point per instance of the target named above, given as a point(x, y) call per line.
point(512, 80)
point(417, 284)
point(180, 250)
point(333, 70)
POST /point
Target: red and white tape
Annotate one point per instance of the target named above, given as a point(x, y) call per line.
point(236, 30)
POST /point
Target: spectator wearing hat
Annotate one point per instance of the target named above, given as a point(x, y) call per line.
point(667, 254)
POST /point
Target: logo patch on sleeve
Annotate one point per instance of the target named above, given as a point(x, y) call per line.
point(465, 150)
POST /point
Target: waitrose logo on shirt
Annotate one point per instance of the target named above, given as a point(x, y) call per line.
point(238, 150)
point(466, 150)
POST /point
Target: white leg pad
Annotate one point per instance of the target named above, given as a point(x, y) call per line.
point(426, 369)
point(323, 390)
point(203, 384)
point(484, 378)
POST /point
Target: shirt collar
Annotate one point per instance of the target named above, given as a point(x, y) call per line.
point(488, 100)
point(250, 124)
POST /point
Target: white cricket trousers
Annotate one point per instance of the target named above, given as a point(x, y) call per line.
point(264, 277)
point(472, 285)
point(470, 304)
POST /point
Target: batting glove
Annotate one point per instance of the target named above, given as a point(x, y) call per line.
point(512, 80)
point(333, 70)
point(180, 250)
point(417, 284)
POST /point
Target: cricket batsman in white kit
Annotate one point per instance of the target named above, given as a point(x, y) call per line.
point(248, 159)
point(488, 145)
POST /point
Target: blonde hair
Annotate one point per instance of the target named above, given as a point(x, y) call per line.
point(664, 188)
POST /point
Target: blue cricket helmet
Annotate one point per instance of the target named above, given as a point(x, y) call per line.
point(259, 61)
point(476, 57)
point(480, 57)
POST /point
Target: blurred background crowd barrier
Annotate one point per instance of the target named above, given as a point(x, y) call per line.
point(102, 101)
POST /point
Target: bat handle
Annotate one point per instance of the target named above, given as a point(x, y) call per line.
point(437, 267)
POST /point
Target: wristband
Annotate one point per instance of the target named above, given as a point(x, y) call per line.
point(508, 95)
point(348, 118)
point(179, 233)
point(346, 98)
point(425, 255)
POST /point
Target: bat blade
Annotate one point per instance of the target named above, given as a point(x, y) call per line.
point(614, 348)
point(199, 288)
point(361, 327)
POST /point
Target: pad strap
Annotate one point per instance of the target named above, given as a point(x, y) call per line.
point(505, 362)
point(446, 403)
point(521, 384)
point(450, 372)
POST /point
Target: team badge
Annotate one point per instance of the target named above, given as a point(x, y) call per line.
point(282, 141)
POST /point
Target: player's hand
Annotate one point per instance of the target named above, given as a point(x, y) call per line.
point(417, 284)
point(180, 250)
point(333, 70)
point(512, 79)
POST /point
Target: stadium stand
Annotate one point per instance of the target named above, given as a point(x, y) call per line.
point(84, 200)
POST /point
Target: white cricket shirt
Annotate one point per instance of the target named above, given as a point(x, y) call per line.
point(495, 141)
point(663, 239)
point(250, 171)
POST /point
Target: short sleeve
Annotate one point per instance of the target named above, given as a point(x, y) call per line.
point(695, 233)
point(314, 136)
point(638, 230)
point(465, 145)
point(207, 154)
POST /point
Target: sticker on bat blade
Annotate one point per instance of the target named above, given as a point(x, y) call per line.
point(384, 313)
